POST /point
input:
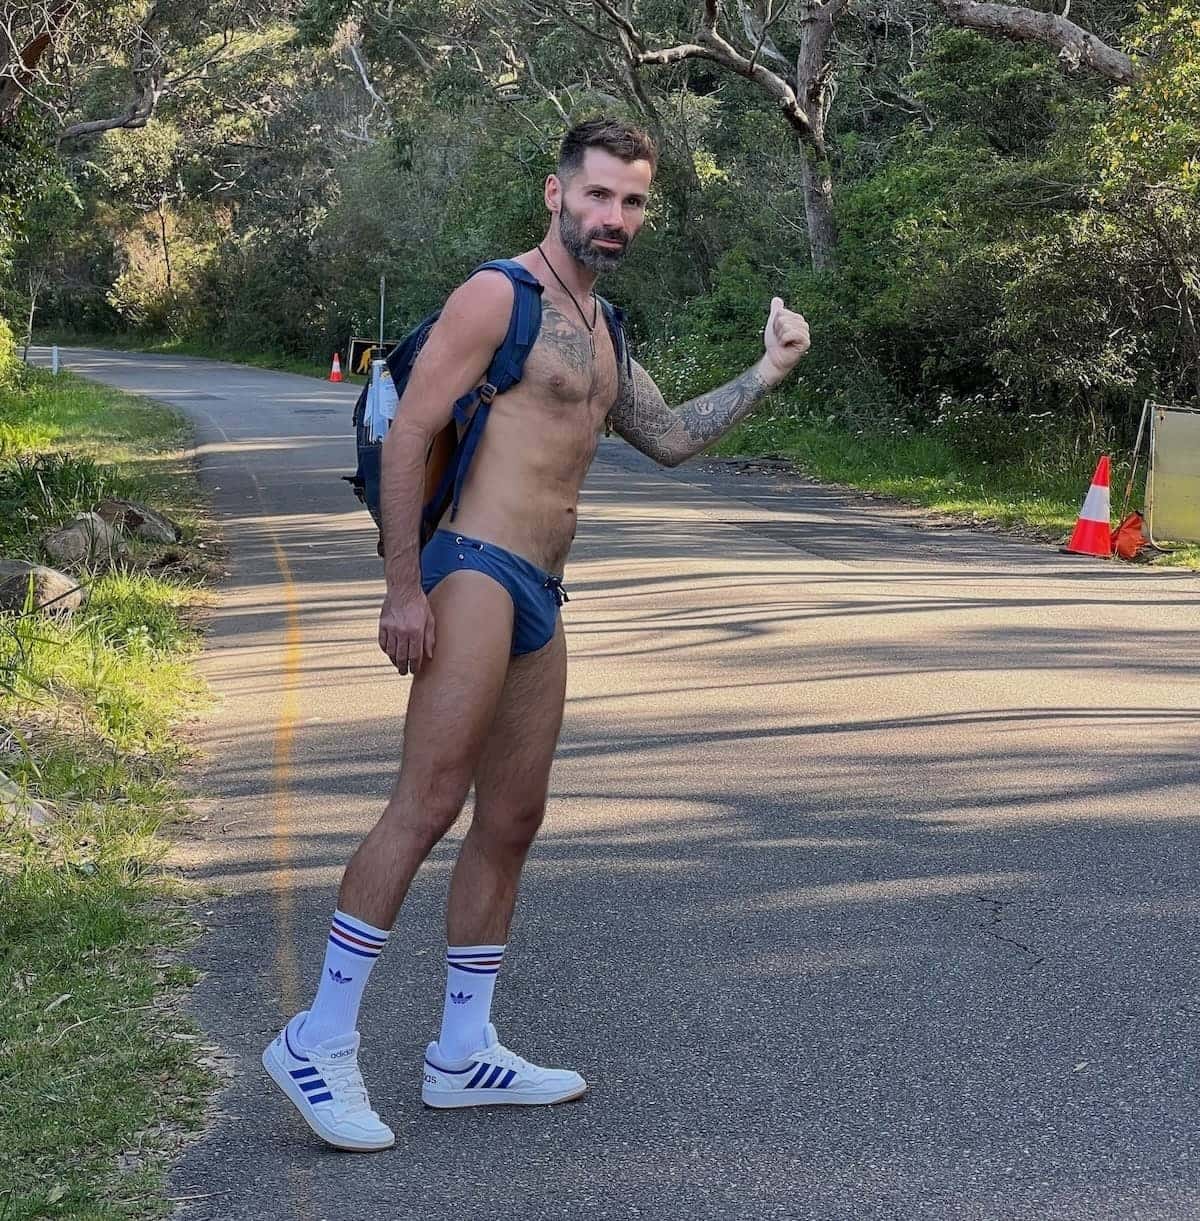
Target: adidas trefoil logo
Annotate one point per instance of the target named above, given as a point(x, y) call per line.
point(461, 998)
point(339, 978)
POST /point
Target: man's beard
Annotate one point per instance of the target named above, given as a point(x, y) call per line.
point(579, 244)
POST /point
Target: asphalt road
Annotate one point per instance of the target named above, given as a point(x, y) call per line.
point(868, 890)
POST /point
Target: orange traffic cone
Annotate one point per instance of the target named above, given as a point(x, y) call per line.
point(1092, 534)
point(335, 374)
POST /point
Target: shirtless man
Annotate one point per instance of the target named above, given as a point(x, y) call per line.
point(474, 618)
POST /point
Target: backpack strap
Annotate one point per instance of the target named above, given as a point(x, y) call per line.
point(615, 320)
point(471, 411)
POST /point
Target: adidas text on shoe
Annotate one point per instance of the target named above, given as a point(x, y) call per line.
point(494, 1076)
point(325, 1086)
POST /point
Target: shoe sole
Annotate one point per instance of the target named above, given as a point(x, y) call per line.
point(295, 1096)
point(450, 1099)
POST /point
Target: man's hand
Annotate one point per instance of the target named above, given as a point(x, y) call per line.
point(406, 630)
point(671, 436)
point(786, 338)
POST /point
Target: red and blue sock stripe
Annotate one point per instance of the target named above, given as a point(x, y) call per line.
point(476, 960)
point(358, 938)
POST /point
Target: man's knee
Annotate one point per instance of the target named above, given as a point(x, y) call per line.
point(427, 811)
point(509, 828)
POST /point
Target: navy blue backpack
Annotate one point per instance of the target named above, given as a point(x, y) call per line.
point(451, 452)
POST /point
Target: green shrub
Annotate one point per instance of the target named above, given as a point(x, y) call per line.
point(8, 354)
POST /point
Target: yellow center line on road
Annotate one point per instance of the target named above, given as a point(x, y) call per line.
point(282, 777)
point(282, 874)
point(299, 1177)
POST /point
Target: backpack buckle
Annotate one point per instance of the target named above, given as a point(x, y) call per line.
point(487, 392)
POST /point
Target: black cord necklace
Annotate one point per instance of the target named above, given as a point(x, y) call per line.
point(591, 327)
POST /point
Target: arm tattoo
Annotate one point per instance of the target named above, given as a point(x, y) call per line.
point(643, 418)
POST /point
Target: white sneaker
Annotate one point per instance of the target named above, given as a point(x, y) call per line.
point(325, 1086)
point(494, 1075)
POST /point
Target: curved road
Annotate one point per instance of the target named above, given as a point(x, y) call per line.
point(868, 890)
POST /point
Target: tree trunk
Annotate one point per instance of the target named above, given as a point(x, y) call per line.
point(814, 79)
point(804, 107)
point(162, 228)
point(33, 296)
point(818, 207)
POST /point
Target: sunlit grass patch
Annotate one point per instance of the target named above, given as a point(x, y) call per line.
point(102, 1070)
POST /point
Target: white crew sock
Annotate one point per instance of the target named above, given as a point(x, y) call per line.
point(470, 981)
point(351, 953)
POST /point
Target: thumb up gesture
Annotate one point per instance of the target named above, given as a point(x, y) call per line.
point(785, 338)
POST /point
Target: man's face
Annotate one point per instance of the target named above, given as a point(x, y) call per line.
point(601, 208)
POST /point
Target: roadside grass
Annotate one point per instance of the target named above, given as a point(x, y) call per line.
point(102, 1072)
point(1037, 492)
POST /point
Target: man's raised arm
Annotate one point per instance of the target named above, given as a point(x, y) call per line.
point(672, 435)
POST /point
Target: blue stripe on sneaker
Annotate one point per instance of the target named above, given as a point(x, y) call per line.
point(484, 1069)
point(452, 1071)
point(475, 970)
point(298, 1073)
point(345, 945)
point(508, 1076)
point(315, 1084)
point(375, 938)
point(287, 1038)
point(494, 1076)
point(315, 1098)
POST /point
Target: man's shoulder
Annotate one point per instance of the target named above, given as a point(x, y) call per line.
point(484, 290)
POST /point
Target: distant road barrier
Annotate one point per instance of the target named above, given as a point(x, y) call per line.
point(1173, 485)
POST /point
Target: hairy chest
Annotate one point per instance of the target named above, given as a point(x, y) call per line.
point(566, 374)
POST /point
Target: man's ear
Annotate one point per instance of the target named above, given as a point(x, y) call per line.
point(554, 191)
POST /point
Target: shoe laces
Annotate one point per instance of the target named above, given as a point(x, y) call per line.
point(499, 1054)
point(347, 1087)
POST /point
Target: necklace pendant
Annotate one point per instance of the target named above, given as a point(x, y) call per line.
point(592, 341)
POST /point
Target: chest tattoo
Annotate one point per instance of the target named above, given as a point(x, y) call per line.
point(564, 341)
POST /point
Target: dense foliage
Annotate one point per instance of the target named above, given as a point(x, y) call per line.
point(1017, 243)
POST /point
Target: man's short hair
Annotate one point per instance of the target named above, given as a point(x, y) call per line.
point(614, 136)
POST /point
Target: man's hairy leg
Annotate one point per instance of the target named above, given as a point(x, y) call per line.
point(450, 711)
point(511, 782)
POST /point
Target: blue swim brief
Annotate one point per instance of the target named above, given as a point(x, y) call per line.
point(536, 595)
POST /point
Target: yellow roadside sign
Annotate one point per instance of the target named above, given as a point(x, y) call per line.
point(358, 358)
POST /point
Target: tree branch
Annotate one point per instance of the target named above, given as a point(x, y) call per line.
point(548, 94)
point(148, 69)
point(674, 55)
point(713, 47)
point(1076, 46)
point(356, 55)
point(621, 22)
point(17, 75)
point(544, 10)
point(761, 37)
